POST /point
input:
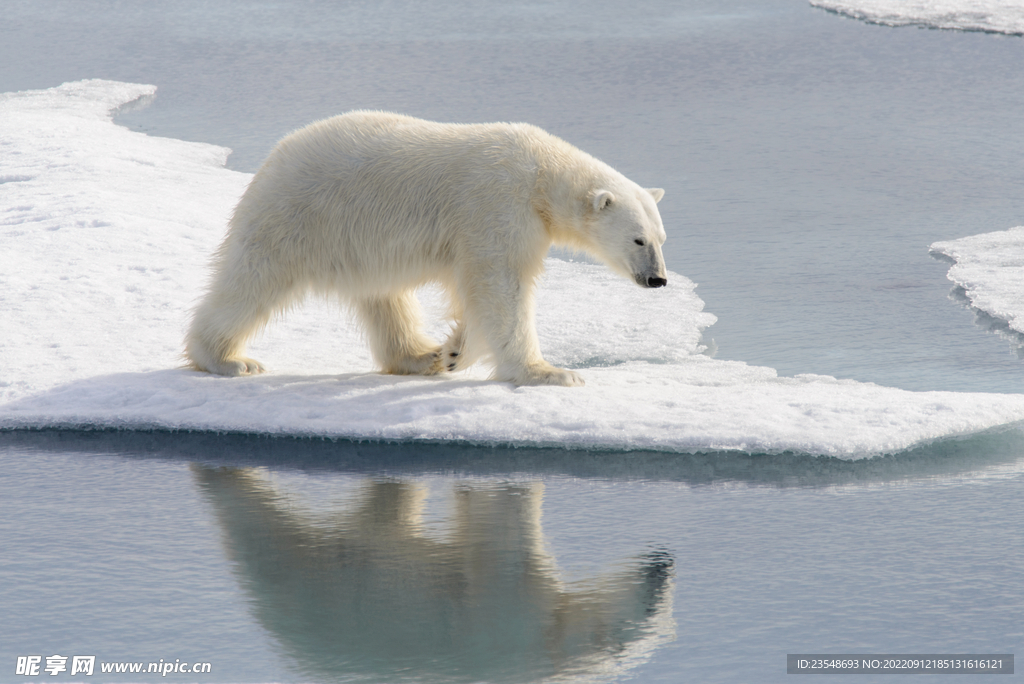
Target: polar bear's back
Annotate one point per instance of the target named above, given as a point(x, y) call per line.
point(387, 198)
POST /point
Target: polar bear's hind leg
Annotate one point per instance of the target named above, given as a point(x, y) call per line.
point(394, 329)
point(216, 341)
point(238, 304)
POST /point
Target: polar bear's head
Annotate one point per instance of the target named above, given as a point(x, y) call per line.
point(625, 231)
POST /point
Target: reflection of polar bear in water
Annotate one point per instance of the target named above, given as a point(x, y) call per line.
point(365, 593)
point(370, 206)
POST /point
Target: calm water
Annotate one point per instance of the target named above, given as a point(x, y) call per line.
point(281, 560)
point(809, 161)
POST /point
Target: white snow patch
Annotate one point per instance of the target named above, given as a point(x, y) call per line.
point(995, 16)
point(989, 269)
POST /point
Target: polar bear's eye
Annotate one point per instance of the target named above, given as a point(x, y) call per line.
point(640, 242)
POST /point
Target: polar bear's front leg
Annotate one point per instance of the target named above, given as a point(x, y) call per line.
point(395, 331)
point(503, 307)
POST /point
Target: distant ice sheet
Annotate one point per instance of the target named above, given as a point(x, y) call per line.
point(997, 16)
point(988, 270)
point(106, 234)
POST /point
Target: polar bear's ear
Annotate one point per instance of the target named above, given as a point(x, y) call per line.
point(602, 198)
point(656, 193)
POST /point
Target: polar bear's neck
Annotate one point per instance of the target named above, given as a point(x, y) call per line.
point(566, 181)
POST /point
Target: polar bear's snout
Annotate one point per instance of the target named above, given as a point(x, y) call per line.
point(650, 281)
point(649, 267)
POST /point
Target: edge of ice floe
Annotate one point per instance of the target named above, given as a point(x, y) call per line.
point(994, 17)
point(988, 279)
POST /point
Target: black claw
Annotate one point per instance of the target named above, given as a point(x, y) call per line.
point(453, 354)
point(451, 366)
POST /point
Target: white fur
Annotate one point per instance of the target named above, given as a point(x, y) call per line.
point(370, 205)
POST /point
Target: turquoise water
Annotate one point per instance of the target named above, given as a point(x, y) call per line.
point(809, 161)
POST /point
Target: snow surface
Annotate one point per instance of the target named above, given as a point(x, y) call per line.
point(996, 16)
point(988, 270)
point(106, 236)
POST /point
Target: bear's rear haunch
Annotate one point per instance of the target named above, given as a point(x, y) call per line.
point(369, 206)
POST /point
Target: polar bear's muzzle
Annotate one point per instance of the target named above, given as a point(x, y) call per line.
point(648, 265)
point(650, 281)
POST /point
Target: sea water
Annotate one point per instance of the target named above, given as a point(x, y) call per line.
point(810, 160)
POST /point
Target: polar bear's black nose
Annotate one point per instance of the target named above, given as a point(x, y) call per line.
point(657, 282)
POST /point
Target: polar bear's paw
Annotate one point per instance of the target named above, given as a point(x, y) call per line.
point(453, 361)
point(432, 363)
point(428, 363)
point(549, 375)
point(236, 366)
point(453, 356)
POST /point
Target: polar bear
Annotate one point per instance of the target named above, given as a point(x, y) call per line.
point(371, 205)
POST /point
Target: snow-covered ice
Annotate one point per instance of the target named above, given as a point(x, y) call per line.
point(995, 16)
point(988, 270)
point(106, 236)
